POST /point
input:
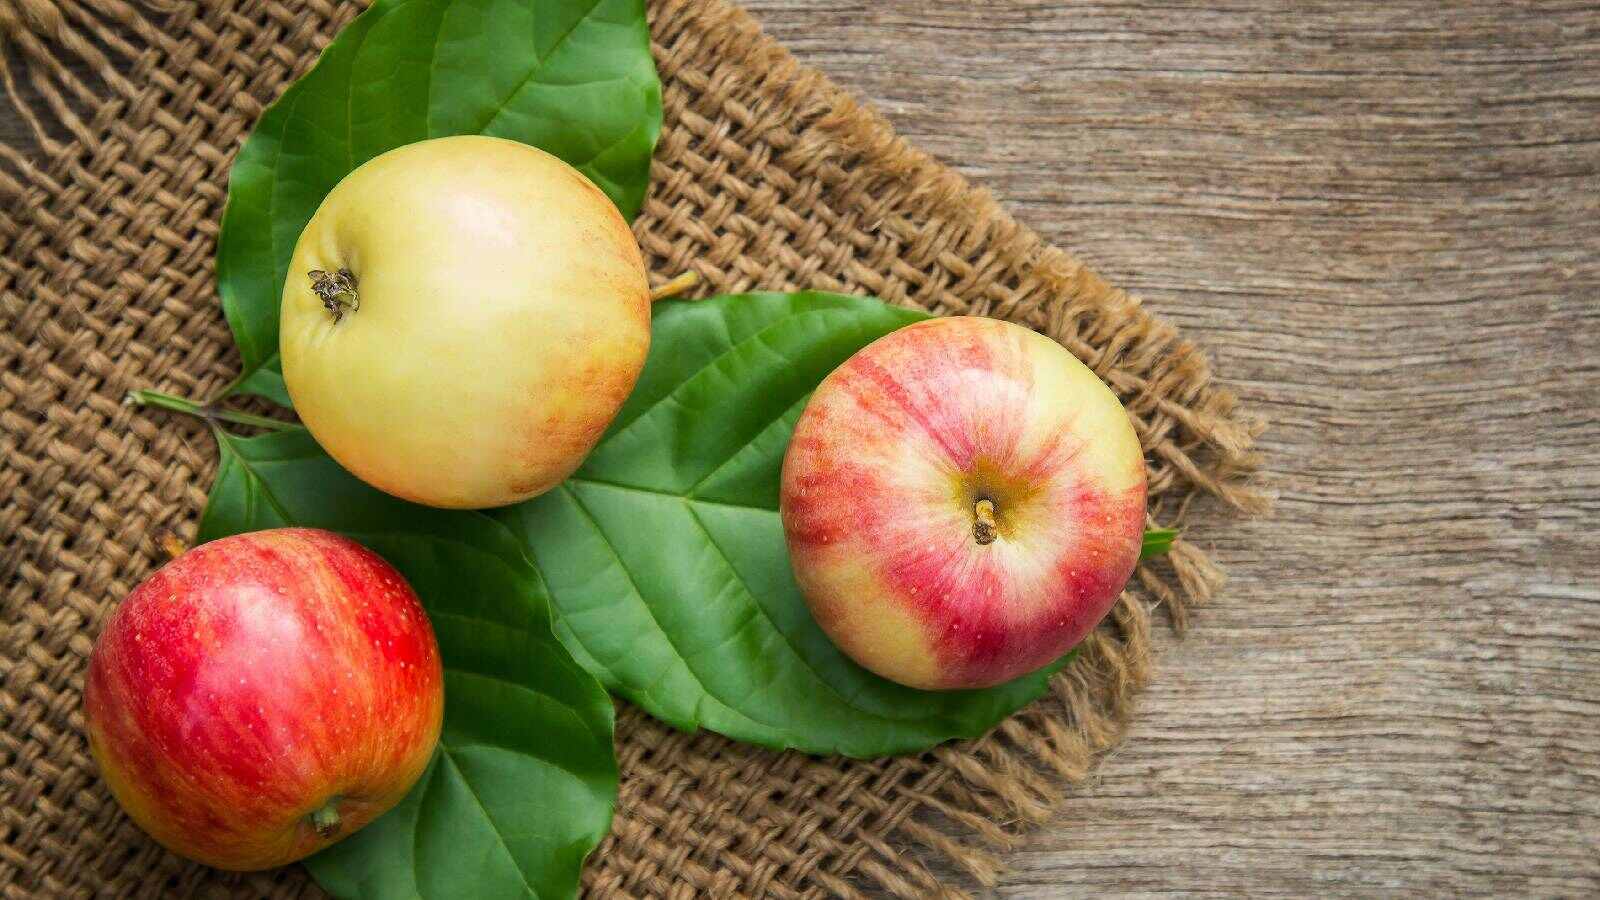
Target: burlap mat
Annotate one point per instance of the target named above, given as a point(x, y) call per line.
point(767, 176)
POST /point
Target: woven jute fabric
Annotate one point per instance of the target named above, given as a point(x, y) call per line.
point(767, 176)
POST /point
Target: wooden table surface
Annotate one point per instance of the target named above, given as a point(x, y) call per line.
point(1383, 220)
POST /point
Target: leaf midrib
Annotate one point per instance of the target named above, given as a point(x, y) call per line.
point(633, 583)
point(654, 492)
point(449, 756)
point(226, 439)
point(772, 623)
point(752, 337)
point(744, 586)
point(719, 467)
point(518, 686)
point(537, 68)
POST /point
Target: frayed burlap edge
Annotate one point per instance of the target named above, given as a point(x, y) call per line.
point(768, 176)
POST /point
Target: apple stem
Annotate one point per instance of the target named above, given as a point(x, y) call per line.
point(325, 819)
point(330, 287)
point(675, 287)
point(203, 411)
point(984, 527)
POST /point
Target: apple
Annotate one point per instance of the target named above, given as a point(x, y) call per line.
point(963, 501)
point(462, 319)
point(263, 696)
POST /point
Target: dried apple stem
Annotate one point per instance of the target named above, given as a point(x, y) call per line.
point(336, 290)
point(201, 411)
point(675, 287)
point(984, 528)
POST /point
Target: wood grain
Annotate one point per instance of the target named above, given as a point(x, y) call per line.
point(1384, 222)
point(1383, 219)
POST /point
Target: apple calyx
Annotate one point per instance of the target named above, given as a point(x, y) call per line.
point(332, 287)
point(325, 818)
point(984, 527)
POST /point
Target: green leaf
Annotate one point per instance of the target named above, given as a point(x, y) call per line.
point(573, 77)
point(522, 786)
point(666, 561)
point(1157, 541)
point(265, 381)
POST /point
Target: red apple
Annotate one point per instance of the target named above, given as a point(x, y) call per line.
point(264, 695)
point(963, 501)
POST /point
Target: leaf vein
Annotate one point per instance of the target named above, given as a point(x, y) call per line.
point(787, 640)
point(758, 335)
point(537, 68)
point(709, 476)
point(668, 494)
point(633, 583)
point(494, 826)
point(254, 477)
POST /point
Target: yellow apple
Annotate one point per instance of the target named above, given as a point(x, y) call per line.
point(462, 319)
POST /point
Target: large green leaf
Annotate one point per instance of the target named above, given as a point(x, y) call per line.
point(523, 783)
point(573, 77)
point(666, 561)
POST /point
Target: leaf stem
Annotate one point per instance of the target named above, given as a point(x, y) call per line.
point(229, 387)
point(675, 287)
point(204, 411)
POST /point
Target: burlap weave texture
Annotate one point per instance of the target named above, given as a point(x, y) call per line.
point(767, 176)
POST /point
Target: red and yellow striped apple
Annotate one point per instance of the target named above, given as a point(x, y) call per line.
point(963, 501)
point(264, 695)
point(462, 319)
